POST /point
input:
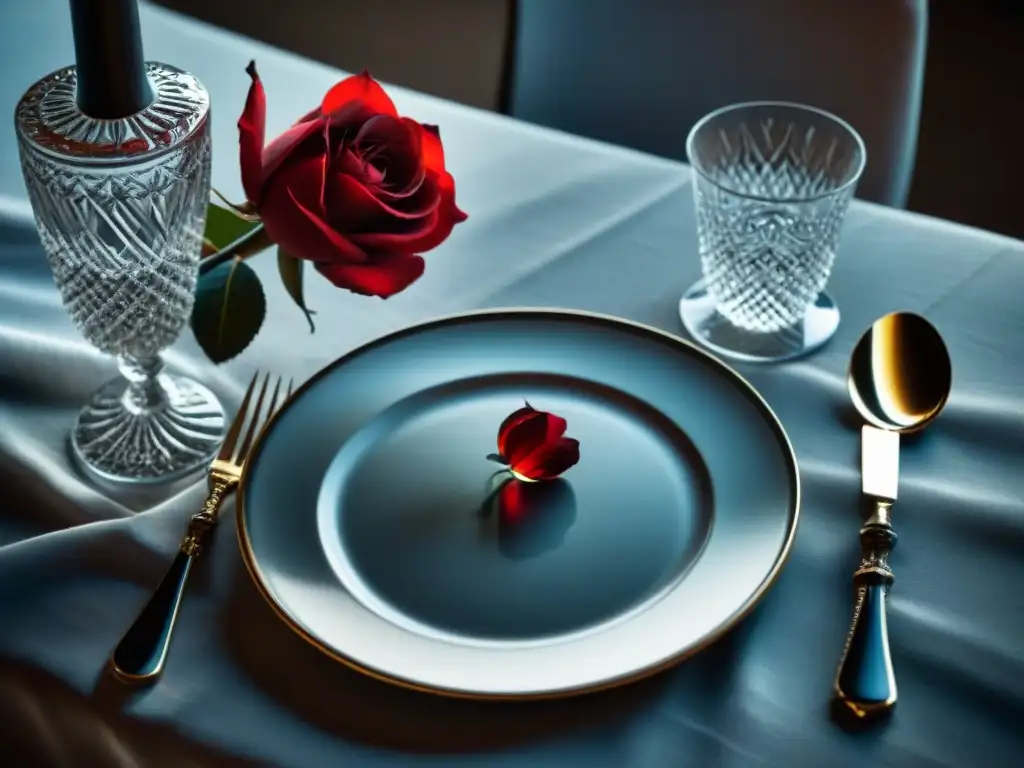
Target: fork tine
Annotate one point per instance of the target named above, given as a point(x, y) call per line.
point(285, 394)
point(280, 395)
point(255, 420)
point(228, 447)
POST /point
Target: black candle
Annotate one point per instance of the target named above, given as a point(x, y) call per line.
point(109, 63)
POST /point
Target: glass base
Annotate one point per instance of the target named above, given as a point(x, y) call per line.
point(117, 441)
point(713, 330)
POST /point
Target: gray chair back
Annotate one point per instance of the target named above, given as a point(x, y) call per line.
point(640, 73)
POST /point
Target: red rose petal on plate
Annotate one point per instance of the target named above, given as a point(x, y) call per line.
point(532, 444)
point(510, 421)
point(550, 460)
point(362, 88)
point(524, 437)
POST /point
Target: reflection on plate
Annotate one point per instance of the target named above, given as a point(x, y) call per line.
point(393, 512)
point(372, 520)
point(526, 520)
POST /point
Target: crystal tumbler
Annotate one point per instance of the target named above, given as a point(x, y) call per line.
point(120, 205)
point(772, 183)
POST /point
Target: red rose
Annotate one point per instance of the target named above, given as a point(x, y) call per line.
point(531, 443)
point(351, 187)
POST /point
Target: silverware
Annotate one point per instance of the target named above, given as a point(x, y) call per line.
point(899, 380)
point(140, 655)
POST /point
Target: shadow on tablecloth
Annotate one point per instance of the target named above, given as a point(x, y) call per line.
point(46, 724)
point(347, 704)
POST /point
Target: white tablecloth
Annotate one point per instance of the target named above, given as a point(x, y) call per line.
point(555, 221)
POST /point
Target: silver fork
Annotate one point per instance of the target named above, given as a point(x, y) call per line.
point(140, 656)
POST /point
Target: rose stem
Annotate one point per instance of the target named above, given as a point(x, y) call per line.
point(249, 244)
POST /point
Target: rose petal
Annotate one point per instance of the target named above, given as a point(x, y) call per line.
point(394, 145)
point(324, 164)
point(304, 177)
point(345, 162)
point(556, 427)
point(510, 421)
point(251, 135)
point(431, 208)
point(432, 150)
point(530, 434)
point(347, 120)
point(432, 156)
point(362, 88)
point(390, 195)
point(523, 437)
point(352, 208)
point(289, 212)
point(281, 148)
point(384, 275)
point(442, 220)
point(550, 460)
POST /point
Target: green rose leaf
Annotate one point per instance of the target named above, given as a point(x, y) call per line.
point(224, 226)
point(291, 276)
point(229, 310)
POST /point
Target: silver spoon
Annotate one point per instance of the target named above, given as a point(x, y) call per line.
point(899, 380)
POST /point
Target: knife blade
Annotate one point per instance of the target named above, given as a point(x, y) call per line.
point(879, 463)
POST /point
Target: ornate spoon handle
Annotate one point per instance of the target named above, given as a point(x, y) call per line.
point(865, 682)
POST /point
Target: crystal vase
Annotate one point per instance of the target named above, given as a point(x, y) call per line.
point(120, 205)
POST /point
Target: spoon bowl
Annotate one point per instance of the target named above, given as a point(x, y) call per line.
point(900, 373)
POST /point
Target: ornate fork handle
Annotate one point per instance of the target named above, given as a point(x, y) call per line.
point(141, 654)
point(865, 682)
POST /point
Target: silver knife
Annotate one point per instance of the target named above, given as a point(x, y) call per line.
point(865, 682)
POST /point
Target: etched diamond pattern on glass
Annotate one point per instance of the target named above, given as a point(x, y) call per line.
point(120, 206)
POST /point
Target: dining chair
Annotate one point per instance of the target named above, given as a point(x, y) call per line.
point(641, 73)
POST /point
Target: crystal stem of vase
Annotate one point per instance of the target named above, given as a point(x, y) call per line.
point(148, 425)
point(144, 392)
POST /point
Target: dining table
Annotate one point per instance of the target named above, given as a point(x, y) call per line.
point(555, 221)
